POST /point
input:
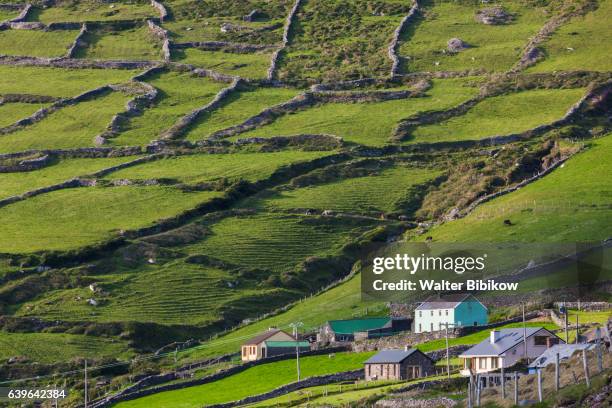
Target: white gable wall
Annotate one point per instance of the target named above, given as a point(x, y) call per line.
point(433, 320)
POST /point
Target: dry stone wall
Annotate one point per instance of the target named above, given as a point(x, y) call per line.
point(394, 46)
point(162, 34)
point(77, 43)
point(163, 12)
point(224, 45)
point(286, 31)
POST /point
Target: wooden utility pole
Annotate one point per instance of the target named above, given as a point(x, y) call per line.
point(85, 383)
point(566, 324)
point(469, 395)
point(586, 368)
point(576, 329)
point(516, 388)
point(557, 373)
point(297, 346)
point(599, 351)
point(447, 352)
point(540, 385)
point(524, 331)
point(503, 383)
point(477, 390)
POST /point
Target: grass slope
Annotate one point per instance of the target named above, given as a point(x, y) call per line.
point(18, 183)
point(57, 81)
point(12, 112)
point(249, 65)
point(580, 44)
point(238, 108)
point(179, 94)
point(493, 48)
point(253, 381)
point(384, 191)
point(192, 169)
point(366, 123)
point(570, 204)
point(36, 43)
point(502, 115)
point(69, 127)
point(132, 44)
point(91, 10)
point(73, 218)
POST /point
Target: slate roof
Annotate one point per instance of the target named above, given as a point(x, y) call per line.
point(391, 356)
point(273, 343)
point(449, 301)
point(262, 337)
point(508, 338)
point(565, 351)
point(358, 325)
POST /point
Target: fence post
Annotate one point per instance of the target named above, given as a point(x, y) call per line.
point(540, 385)
point(503, 383)
point(516, 388)
point(557, 385)
point(469, 394)
point(477, 390)
point(599, 351)
point(586, 368)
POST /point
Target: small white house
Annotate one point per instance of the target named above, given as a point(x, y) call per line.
point(456, 310)
point(505, 347)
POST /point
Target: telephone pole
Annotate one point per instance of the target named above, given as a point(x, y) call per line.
point(524, 331)
point(295, 327)
point(85, 383)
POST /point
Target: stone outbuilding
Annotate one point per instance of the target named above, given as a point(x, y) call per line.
point(399, 365)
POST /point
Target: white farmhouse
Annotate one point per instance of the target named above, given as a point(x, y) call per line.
point(456, 310)
point(505, 347)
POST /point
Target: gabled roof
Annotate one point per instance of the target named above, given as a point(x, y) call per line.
point(358, 325)
point(263, 337)
point(508, 338)
point(448, 301)
point(273, 343)
point(392, 356)
point(565, 351)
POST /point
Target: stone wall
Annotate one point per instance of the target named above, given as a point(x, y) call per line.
point(224, 45)
point(63, 62)
point(163, 13)
point(163, 37)
point(393, 47)
point(78, 42)
point(23, 15)
point(286, 31)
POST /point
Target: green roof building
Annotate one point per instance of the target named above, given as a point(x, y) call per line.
point(347, 330)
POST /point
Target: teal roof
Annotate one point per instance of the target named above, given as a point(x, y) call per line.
point(288, 343)
point(358, 325)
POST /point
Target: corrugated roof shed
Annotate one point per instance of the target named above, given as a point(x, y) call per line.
point(565, 351)
point(358, 325)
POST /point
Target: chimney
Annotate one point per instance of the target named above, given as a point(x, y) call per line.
point(495, 334)
point(406, 348)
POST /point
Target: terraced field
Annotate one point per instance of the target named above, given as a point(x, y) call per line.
point(227, 159)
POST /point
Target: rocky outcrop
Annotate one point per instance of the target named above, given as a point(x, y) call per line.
point(392, 51)
point(181, 127)
point(286, 31)
point(456, 45)
point(78, 42)
point(163, 37)
point(495, 15)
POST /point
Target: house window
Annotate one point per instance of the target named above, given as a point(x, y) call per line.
point(446, 312)
point(514, 352)
point(540, 340)
point(420, 328)
point(482, 363)
point(431, 327)
point(244, 352)
point(420, 313)
point(431, 313)
point(439, 312)
point(494, 362)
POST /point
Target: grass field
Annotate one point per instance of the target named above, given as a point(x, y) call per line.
point(589, 317)
point(208, 29)
point(570, 204)
point(18, 183)
point(366, 123)
point(192, 169)
point(493, 48)
point(179, 94)
point(253, 381)
point(6, 14)
point(238, 108)
point(251, 65)
point(385, 191)
point(132, 44)
point(76, 217)
point(36, 43)
point(49, 347)
point(58, 81)
point(12, 112)
point(276, 242)
point(502, 115)
point(572, 46)
point(68, 127)
point(91, 10)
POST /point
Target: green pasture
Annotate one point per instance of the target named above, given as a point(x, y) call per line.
point(209, 29)
point(179, 94)
point(493, 48)
point(137, 44)
point(201, 168)
point(14, 111)
point(91, 10)
point(382, 192)
point(36, 43)
point(600, 317)
point(276, 242)
point(581, 44)
point(68, 127)
point(57, 81)
point(51, 347)
point(249, 65)
point(501, 115)
point(237, 108)
point(253, 381)
point(18, 183)
point(6, 14)
point(570, 204)
point(72, 218)
point(371, 124)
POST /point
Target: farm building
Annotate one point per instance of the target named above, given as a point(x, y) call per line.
point(355, 329)
point(456, 310)
point(505, 347)
point(274, 342)
point(398, 365)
